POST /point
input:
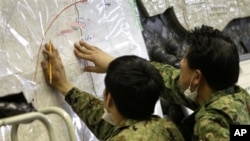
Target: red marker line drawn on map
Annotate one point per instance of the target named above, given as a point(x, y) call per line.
point(72, 26)
point(76, 25)
point(65, 31)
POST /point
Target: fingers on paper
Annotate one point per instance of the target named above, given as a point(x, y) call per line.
point(82, 49)
point(88, 46)
point(53, 54)
point(48, 51)
point(83, 55)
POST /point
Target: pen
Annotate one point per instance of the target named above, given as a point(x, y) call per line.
point(50, 63)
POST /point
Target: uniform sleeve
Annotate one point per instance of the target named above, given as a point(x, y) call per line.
point(211, 128)
point(90, 110)
point(171, 77)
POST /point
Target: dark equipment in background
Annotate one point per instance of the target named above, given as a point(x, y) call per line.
point(239, 30)
point(164, 35)
point(14, 104)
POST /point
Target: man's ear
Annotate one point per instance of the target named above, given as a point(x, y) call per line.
point(197, 77)
point(104, 94)
point(109, 100)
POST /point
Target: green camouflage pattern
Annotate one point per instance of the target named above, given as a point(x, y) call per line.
point(213, 119)
point(90, 110)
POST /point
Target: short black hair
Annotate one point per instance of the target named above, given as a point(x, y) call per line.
point(215, 54)
point(135, 86)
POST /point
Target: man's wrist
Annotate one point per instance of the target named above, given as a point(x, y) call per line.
point(66, 88)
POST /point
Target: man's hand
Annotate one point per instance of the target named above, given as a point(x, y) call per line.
point(59, 79)
point(91, 53)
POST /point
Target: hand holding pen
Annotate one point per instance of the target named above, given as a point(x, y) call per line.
point(53, 69)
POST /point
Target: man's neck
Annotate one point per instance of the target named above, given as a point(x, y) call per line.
point(203, 94)
point(117, 117)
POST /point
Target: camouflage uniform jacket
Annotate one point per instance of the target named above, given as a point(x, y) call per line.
point(90, 110)
point(213, 119)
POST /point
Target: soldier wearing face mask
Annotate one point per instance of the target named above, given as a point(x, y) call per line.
point(206, 83)
point(188, 93)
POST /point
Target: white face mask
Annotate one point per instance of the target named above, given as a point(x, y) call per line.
point(191, 95)
point(108, 117)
